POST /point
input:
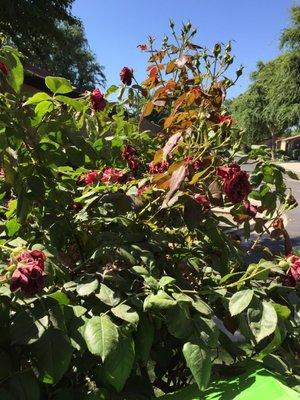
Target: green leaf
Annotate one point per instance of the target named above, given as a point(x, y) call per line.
point(60, 297)
point(127, 313)
point(159, 301)
point(292, 175)
point(5, 365)
point(202, 307)
point(58, 85)
point(190, 392)
point(179, 321)
point(76, 104)
point(144, 337)
point(28, 326)
point(12, 227)
point(279, 336)
point(118, 365)
point(23, 386)
point(239, 301)
point(42, 109)
point(52, 355)
point(166, 280)
point(108, 296)
point(37, 98)
point(262, 321)
point(199, 363)
point(101, 336)
point(282, 311)
point(16, 73)
point(87, 287)
point(111, 89)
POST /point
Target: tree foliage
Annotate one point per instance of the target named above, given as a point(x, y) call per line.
point(290, 37)
point(271, 104)
point(51, 38)
point(119, 278)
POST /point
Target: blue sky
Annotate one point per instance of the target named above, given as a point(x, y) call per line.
point(115, 27)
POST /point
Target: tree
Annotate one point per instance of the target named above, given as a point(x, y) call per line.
point(271, 105)
point(290, 37)
point(51, 38)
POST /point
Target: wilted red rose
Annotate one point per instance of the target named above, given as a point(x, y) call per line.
point(112, 175)
point(128, 152)
point(188, 160)
point(225, 119)
point(4, 68)
point(197, 164)
point(251, 210)
point(98, 101)
point(77, 206)
point(144, 92)
point(203, 200)
point(126, 75)
point(32, 255)
point(29, 274)
point(293, 273)
point(28, 277)
point(143, 189)
point(235, 182)
point(133, 163)
point(159, 167)
point(142, 47)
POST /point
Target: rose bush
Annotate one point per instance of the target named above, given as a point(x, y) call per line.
point(120, 277)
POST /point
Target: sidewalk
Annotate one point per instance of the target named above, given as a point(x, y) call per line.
point(291, 166)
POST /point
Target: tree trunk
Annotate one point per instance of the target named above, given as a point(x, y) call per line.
point(273, 141)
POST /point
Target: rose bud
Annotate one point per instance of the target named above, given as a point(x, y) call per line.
point(4, 68)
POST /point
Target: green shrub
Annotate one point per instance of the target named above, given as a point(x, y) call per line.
point(117, 278)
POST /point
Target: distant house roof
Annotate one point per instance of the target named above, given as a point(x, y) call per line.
point(289, 138)
point(34, 80)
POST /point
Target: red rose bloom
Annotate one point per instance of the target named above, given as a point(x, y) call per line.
point(203, 200)
point(197, 165)
point(98, 101)
point(128, 154)
point(29, 274)
point(112, 175)
point(235, 182)
point(293, 274)
point(126, 76)
point(159, 167)
point(91, 177)
point(3, 68)
point(2, 175)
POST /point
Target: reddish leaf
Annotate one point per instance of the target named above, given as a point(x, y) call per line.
point(148, 109)
point(175, 182)
point(171, 143)
point(170, 67)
